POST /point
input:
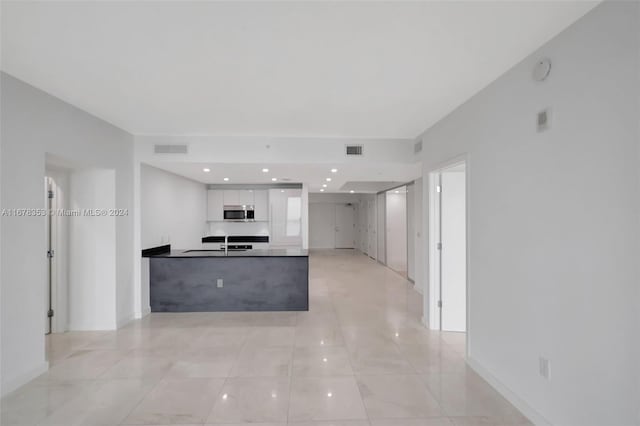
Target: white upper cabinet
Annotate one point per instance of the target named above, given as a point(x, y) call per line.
point(261, 203)
point(231, 197)
point(215, 204)
point(246, 197)
point(238, 197)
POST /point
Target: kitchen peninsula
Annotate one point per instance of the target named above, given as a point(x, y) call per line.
point(219, 281)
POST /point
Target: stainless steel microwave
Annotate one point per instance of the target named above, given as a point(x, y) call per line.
point(242, 213)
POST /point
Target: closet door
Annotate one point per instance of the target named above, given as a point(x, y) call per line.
point(345, 226)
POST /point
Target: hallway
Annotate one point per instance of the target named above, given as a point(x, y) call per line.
point(359, 357)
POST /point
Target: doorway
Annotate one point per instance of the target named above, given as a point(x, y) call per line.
point(448, 248)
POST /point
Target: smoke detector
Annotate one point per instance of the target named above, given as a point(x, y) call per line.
point(542, 69)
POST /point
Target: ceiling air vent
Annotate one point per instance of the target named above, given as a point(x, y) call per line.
point(417, 147)
point(170, 149)
point(354, 149)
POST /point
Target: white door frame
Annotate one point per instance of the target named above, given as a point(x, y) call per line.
point(434, 239)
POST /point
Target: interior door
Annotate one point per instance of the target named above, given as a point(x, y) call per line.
point(345, 230)
point(363, 223)
point(453, 254)
point(381, 244)
point(48, 288)
point(371, 226)
point(411, 231)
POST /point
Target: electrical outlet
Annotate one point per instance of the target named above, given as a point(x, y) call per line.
point(543, 120)
point(220, 283)
point(545, 368)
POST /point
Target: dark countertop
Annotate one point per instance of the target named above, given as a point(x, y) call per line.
point(232, 253)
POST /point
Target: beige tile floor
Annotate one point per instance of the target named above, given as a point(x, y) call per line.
point(359, 357)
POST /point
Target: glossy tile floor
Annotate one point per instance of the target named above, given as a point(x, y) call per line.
point(359, 357)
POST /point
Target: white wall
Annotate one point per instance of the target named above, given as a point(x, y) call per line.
point(322, 218)
point(553, 229)
point(396, 229)
point(92, 254)
point(33, 124)
point(322, 223)
point(173, 209)
point(238, 228)
point(337, 198)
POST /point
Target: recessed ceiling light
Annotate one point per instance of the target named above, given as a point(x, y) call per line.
point(329, 394)
point(282, 190)
point(206, 170)
point(225, 396)
point(352, 191)
point(397, 192)
point(322, 190)
point(328, 179)
point(265, 170)
point(274, 179)
point(334, 170)
point(324, 185)
point(226, 179)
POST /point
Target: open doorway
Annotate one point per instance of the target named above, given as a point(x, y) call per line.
point(448, 249)
point(396, 229)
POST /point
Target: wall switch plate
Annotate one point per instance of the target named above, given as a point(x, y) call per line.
point(220, 283)
point(545, 368)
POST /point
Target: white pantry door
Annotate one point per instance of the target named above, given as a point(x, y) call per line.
point(453, 237)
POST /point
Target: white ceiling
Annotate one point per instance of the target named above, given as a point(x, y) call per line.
point(315, 175)
point(331, 69)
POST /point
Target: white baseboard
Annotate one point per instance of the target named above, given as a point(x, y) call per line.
point(125, 320)
point(23, 379)
point(92, 327)
point(146, 311)
point(534, 416)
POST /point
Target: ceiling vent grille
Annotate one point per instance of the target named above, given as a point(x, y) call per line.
point(170, 149)
point(354, 150)
point(417, 147)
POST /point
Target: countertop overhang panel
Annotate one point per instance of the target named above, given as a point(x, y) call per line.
point(255, 280)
